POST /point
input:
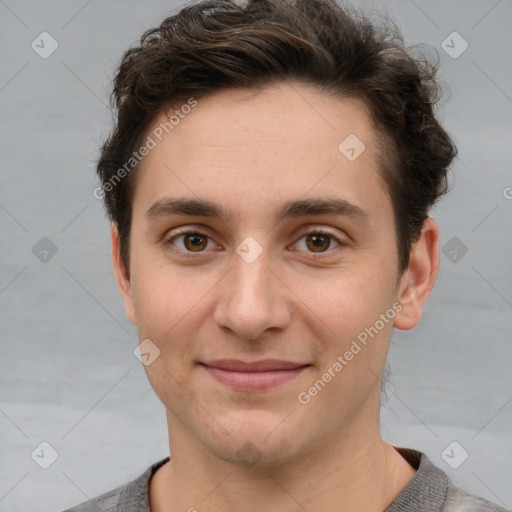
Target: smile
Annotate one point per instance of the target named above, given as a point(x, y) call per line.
point(258, 376)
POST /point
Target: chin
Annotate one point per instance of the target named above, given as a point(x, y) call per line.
point(256, 453)
point(253, 444)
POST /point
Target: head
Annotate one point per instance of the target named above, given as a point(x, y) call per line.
point(299, 145)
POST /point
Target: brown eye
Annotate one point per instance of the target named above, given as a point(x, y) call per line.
point(188, 241)
point(318, 242)
point(195, 242)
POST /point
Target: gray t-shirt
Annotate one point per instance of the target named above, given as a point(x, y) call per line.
point(429, 490)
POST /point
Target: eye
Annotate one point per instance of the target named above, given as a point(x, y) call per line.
point(317, 241)
point(190, 241)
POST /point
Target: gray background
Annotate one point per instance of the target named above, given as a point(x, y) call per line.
point(69, 376)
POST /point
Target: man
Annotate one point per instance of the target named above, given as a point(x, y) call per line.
point(268, 181)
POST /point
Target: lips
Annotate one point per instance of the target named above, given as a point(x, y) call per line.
point(266, 365)
point(253, 376)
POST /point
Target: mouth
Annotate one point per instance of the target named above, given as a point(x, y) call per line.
point(253, 376)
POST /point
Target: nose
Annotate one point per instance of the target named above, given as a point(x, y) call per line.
point(251, 299)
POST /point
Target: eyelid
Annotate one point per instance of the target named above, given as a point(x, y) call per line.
point(318, 230)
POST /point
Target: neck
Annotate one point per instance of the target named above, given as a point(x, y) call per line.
point(346, 472)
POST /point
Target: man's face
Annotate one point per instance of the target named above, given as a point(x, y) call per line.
point(254, 286)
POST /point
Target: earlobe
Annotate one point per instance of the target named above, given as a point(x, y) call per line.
point(121, 275)
point(419, 278)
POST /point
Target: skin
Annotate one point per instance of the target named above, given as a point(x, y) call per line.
point(250, 153)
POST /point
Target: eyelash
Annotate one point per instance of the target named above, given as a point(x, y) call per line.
point(190, 254)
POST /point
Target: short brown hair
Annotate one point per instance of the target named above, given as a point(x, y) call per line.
point(218, 44)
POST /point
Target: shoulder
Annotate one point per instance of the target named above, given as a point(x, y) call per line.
point(131, 497)
point(458, 500)
point(431, 490)
point(108, 502)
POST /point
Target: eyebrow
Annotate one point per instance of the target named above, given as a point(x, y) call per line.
point(167, 206)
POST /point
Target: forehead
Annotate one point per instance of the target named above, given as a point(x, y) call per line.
point(278, 116)
point(284, 141)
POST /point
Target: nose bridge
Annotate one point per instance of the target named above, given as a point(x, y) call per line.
point(252, 279)
point(251, 299)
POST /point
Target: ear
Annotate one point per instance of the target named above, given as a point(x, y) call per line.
point(418, 279)
point(121, 275)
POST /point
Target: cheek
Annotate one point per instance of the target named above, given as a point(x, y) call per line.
point(166, 296)
point(354, 340)
point(348, 301)
point(172, 304)
point(167, 307)
point(351, 328)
